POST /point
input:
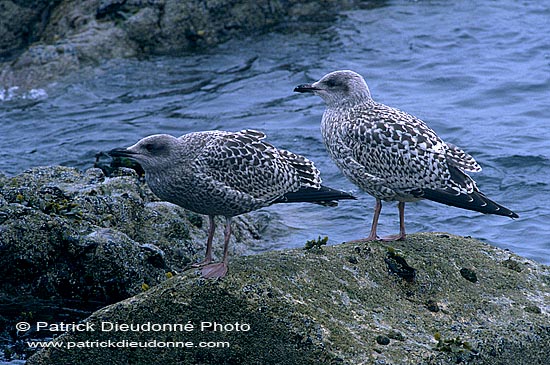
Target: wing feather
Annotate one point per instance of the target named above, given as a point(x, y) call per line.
point(398, 148)
point(242, 161)
point(457, 157)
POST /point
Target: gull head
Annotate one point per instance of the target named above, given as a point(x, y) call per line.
point(152, 152)
point(339, 89)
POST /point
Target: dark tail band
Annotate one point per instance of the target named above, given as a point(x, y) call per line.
point(323, 196)
point(475, 201)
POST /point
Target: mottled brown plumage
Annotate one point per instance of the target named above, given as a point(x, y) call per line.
point(391, 154)
point(227, 174)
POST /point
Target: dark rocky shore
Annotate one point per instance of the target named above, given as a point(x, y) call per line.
point(41, 40)
point(347, 304)
point(72, 242)
point(89, 237)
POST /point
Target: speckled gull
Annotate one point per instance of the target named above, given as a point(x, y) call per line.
point(227, 174)
point(393, 155)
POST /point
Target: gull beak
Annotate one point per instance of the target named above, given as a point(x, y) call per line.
point(305, 88)
point(121, 152)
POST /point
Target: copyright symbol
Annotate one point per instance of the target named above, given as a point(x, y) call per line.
point(22, 326)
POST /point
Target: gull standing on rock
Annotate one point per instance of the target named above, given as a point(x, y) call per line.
point(393, 155)
point(226, 173)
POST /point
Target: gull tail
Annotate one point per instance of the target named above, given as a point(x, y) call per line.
point(473, 201)
point(323, 196)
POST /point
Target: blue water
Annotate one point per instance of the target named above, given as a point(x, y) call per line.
point(477, 72)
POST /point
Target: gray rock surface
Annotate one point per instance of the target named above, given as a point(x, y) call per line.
point(42, 40)
point(21, 23)
point(462, 301)
point(83, 236)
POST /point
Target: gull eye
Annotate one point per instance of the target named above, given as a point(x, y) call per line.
point(154, 148)
point(331, 83)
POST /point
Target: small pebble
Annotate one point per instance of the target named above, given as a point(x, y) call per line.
point(532, 309)
point(432, 306)
point(352, 260)
point(382, 340)
point(395, 335)
point(468, 274)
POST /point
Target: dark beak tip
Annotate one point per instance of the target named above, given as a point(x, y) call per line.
point(119, 152)
point(304, 88)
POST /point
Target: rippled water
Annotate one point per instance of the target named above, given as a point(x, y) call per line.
point(479, 74)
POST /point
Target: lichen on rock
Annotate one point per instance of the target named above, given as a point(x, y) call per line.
point(85, 236)
point(341, 304)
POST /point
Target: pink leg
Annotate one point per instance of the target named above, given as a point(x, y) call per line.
point(372, 235)
point(401, 236)
point(219, 270)
point(208, 256)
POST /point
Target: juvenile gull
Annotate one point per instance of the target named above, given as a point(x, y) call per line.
point(227, 174)
point(393, 155)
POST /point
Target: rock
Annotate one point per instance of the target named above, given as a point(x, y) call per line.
point(21, 23)
point(72, 39)
point(318, 306)
point(83, 236)
point(59, 37)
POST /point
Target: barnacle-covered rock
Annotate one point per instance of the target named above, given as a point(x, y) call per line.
point(320, 307)
point(83, 236)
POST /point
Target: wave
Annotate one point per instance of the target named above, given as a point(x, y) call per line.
point(16, 93)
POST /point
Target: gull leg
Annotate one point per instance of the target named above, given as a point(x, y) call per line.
point(208, 256)
point(372, 235)
point(401, 236)
point(219, 270)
